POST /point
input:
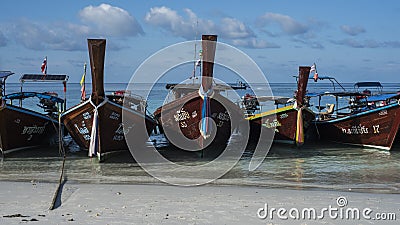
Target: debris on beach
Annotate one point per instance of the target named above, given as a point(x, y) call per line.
point(14, 215)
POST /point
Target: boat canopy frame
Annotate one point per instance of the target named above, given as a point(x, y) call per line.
point(3, 77)
point(23, 95)
point(56, 78)
point(331, 79)
point(377, 86)
point(361, 96)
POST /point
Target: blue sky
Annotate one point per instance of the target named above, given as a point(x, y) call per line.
point(352, 40)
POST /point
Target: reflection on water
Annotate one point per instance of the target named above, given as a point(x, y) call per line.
point(313, 166)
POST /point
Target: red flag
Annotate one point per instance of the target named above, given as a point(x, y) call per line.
point(83, 93)
point(44, 66)
point(315, 77)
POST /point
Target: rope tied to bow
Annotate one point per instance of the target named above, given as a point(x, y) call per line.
point(94, 136)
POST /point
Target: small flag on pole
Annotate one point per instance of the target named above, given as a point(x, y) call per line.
point(82, 82)
point(84, 75)
point(44, 66)
point(314, 69)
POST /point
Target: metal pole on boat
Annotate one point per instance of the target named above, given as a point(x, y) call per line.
point(337, 105)
point(319, 103)
point(195, 53)
point(1, 88)
point(65, 96)
point(20, 100)
point(4, 86)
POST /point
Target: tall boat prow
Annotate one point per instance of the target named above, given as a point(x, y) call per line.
point(301, 103)
point(97, 49)
point(302, 82)
point(96, 124)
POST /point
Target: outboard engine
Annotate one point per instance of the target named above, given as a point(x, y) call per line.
point(250, 103)
point(48, 105)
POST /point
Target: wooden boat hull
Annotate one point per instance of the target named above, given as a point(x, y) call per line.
point(79, 120)
point(201, 120)
point(283, 121)
point(183, 116)
point(22, 128)
point(376, 128)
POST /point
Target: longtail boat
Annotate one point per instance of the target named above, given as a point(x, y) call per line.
point(288, 120)
point(96, 124)
point(199, 118)
point(23, 125)
point(363, 118)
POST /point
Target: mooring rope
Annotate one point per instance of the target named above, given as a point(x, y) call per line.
point(61, 150)
point(59, 185)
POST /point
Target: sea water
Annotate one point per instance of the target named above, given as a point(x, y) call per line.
point(326, 166)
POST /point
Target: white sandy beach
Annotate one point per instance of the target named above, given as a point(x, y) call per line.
point(24, 202)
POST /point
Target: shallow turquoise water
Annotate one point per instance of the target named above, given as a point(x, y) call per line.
point(326, 166)
point(313, 166)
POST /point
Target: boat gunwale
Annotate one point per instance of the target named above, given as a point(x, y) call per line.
point(29, 111)
point(353, 115)
point(64, 114)
point(275, 111)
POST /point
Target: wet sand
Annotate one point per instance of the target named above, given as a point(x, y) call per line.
point(29, 202)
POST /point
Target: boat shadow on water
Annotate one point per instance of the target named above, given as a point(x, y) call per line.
point(179, 156)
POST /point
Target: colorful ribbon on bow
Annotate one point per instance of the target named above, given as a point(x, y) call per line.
point(300, 128)
point(205, 127)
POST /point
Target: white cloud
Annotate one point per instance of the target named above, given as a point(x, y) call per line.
point(353, 31)
point(111, 20)
point(254, 43)
point(286, 23)
point(189, 24)
point(366, 43)
point(306, 41)
point(232, 28)
point(165, 17)
point(56, 36)
point(100, 21)
point(391, 44)
point(172, 22)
